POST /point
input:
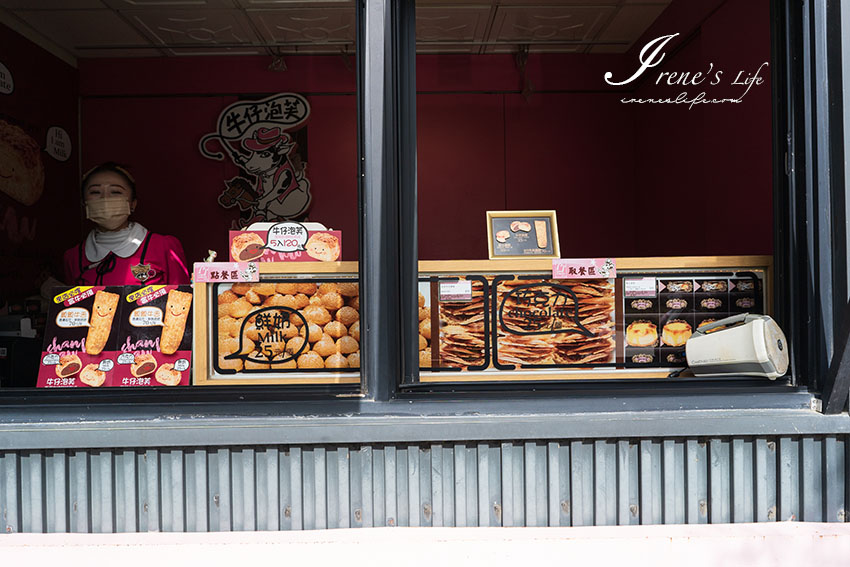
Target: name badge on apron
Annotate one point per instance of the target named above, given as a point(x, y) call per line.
point(142, 272)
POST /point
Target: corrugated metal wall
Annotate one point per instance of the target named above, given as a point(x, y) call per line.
point(575, 483)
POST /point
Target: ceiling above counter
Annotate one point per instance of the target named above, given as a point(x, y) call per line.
point(163, 28)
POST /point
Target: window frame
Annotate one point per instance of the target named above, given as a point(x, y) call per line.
point(388, 263)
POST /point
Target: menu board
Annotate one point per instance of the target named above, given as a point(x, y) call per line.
point(518, 234)
point(101, 336)
point(286, 325)
point(661, 313)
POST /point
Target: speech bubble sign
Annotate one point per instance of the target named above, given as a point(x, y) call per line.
point(106, 365)
point(58, 143)
point(146, 317)
point(181, 365)
point(270, 322)
point(126, 358)
point(287, 237)
point(7, 83)
point(50, 360)
point(73, 317)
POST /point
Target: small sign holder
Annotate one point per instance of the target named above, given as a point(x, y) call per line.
point(522, 234)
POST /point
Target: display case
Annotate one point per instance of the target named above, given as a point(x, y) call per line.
point(487, 320)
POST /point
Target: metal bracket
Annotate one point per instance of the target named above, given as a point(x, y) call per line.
point(816, 405)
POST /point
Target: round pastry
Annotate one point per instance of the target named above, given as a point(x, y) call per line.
point(293, 345)
point(167, 376)
point(354, 360)
point(335, 329)
point(354, 303)
point(502, 236)
point(421, 301)
point(347, 315)
point(263, 288)
point(316, 314)
point(307, 288)
point(246, 247)
point(227, 296)
point(354, 330)
point(423, 342)
point(676, 333)
point(641, 333)
point(143, 364)
point(251, 365)
point(336, 360)
point(331, 300)
point(348, 289)
point(68, 365)
point(323, 247)
point(310, 360)
point(91, 376)
point(288, 288)
point(325, 346)
point(424, 359)
point(424, 313)
point(21, 169)
point(328, 287)
point(301, 300)
point(424, 328)
point(347, 345)
point(314, 332)
point(283, 361)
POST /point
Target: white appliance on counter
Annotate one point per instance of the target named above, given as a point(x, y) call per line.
point(745, 344)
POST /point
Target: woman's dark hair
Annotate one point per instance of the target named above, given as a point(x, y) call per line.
point(112, 167)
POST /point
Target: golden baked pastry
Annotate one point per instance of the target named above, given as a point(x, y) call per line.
point(167, 376)
point(323, 247)
point(103, 312)
point(21, 169)
point(143, 364)
point(174, 322)
point(347, 345)
point(676, 333)
point(354, 330)
point(68, 365)
point(354, 360)
point(335, 329)
point(310, 360)
point(91, 376)
point(502, 236)
point(246, 247)
point(641, 333)
point(347, 315)
point(336, 360)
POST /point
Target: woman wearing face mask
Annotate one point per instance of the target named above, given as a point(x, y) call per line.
point(119, 251)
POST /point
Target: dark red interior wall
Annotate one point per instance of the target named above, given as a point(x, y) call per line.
point(703, 176)
point(32, 237)
point(626, 180)
point(151, 113)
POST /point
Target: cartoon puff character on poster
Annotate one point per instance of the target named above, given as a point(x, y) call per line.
point(257, 137)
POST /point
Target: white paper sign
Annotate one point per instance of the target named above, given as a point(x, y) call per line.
point(460, 290)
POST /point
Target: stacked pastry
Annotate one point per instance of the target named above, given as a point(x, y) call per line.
point(462, 330)
point(543, 308)
point(330, 339)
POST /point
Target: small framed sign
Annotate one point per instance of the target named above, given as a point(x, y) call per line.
point(522, 234)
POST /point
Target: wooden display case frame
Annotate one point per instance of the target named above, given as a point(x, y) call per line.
point(692, 264)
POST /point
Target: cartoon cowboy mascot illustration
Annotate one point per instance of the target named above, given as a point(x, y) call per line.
point(255, 135)
point(283, 191)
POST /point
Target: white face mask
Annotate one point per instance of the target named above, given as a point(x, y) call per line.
point(108, 213)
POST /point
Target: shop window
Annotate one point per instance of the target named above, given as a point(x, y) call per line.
point(635, 134)
point(238, 122)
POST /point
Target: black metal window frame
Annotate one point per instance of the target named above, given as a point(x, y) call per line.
point(810, 283)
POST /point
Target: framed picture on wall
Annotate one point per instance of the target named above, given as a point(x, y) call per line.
point(522, 234)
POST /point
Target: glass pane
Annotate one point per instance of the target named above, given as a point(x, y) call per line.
point(634, 132)
point(233, 131)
